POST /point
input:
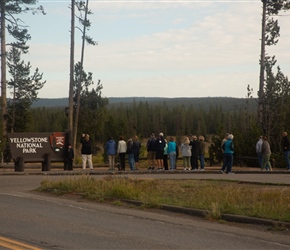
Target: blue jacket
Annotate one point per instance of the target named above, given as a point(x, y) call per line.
point(111, 147)
point(171, 147)
point(228, 147)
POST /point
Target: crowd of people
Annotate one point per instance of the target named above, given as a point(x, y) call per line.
point(263, 150)
point(163, 154)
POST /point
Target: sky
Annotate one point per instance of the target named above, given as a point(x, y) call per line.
point(157, 48)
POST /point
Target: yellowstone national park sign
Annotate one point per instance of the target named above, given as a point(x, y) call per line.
point(36, 146)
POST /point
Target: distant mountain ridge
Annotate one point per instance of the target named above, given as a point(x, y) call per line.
point(63, 102)
point(227, 103)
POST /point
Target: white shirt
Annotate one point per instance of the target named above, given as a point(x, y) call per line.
point(122, 147)
point(259, 146)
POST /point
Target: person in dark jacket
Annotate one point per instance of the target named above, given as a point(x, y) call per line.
point(70, 157)
point(86, 151)
point(136, 151)
point(194, 152)
point(151, 152)
point(111, 151)
point(159, 149)
point(286, 149)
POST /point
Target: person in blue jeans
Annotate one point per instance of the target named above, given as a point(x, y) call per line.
point(259, 150)
point(171, 151)
point(286, 149)
point(111, 151)
point(228, 148)
point(201, 152)
point(130, 154)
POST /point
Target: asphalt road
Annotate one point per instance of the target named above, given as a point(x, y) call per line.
point(56, 223)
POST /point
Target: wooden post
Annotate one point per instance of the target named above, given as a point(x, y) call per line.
point(46, 164)
point(19, 164)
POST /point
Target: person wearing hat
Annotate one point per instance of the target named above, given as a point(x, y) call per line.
point(86, 151)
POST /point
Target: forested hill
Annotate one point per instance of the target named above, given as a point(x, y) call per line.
point(226, 103)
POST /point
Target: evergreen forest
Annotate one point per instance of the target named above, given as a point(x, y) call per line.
point(178, 117)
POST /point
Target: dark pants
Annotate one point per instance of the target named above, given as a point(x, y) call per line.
point(165, 162)
point(228, 162)
point(194, 162)
point(70, 164)
point(122, 160)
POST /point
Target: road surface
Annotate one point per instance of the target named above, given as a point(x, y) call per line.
point(49, 222)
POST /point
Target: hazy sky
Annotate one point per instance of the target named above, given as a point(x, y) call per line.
point(157, 48)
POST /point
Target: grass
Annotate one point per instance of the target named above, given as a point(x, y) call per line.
point(214, 196)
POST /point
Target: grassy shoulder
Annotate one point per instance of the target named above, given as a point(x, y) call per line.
point(216, 197)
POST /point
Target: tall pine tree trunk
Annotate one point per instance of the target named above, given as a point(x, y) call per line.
point(3, 71)
point(79, 87)
point(71, 82)
point(262, 71)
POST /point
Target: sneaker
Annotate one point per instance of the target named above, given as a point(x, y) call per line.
point(230, 173)
point(149, 168)
point(184, 169)
point(222, 171)
point(152, 168)
point(202, 169)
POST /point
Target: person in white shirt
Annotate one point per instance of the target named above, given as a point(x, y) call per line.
point(121, 151)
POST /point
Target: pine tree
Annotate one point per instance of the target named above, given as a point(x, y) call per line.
point(24, 90)
point(11, 24)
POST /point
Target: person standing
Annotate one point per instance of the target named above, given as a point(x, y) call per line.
point(86, 151)
point(111, 152)
point(151, 152)
point(228, 148)
point(201, 152)
point(194, 152)
point(266, 153)
point(171, 150)
point(286, 149)
point(223, 152)
point(165, 156)
point(224, 140)
point(186, 153)
point(259, 150)
point(70, 157)
point(177, 154)
point(159, 149)
point(122, 149)
point(130, 154)
point(136, 151)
